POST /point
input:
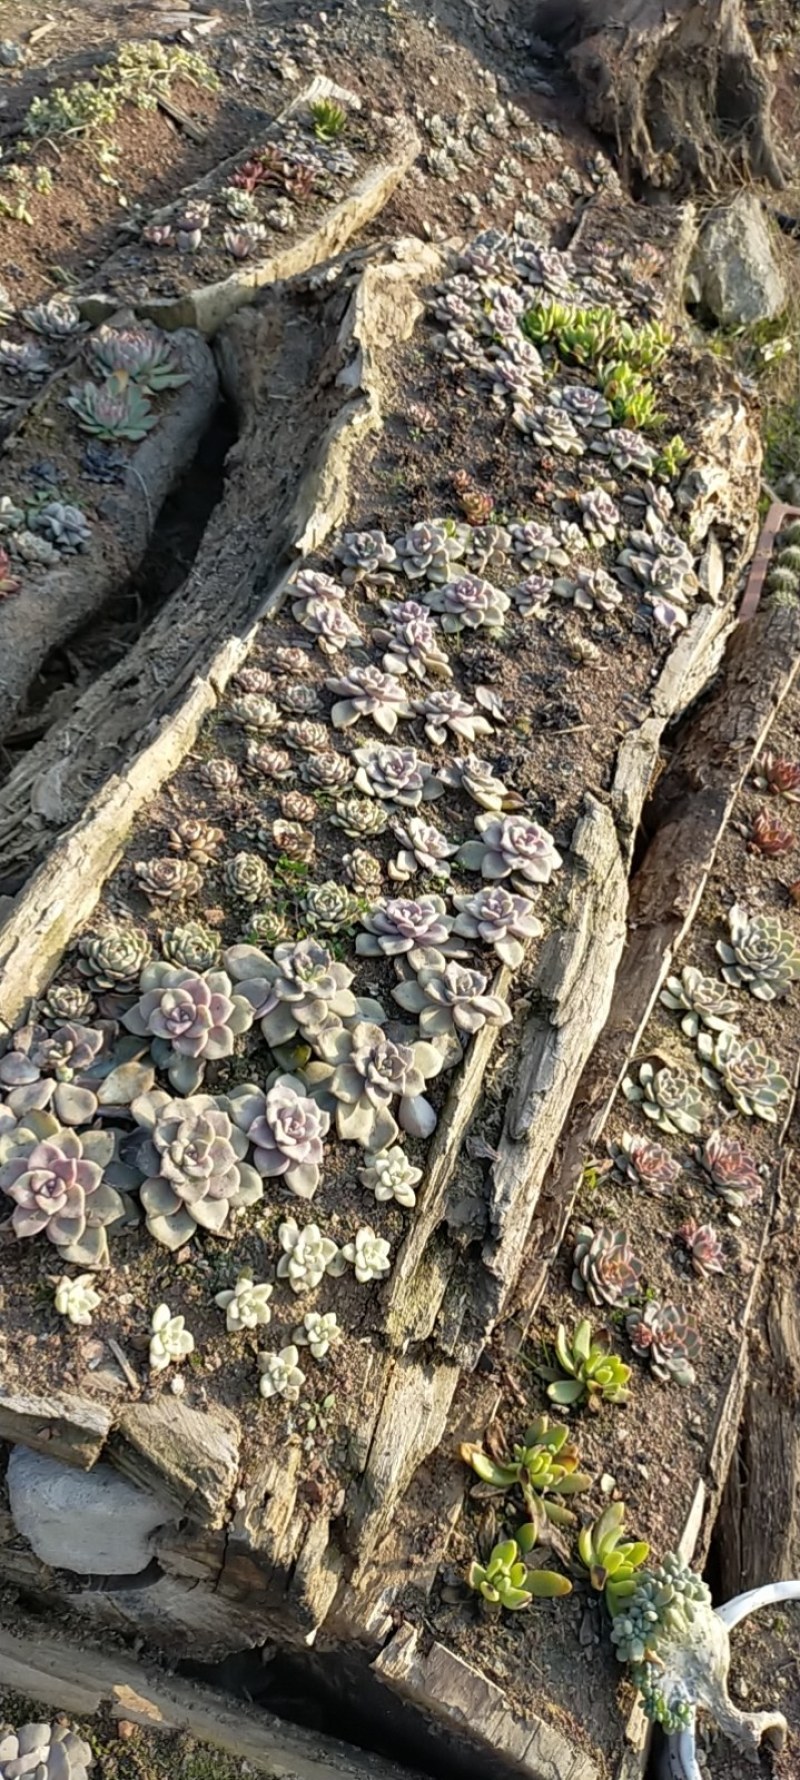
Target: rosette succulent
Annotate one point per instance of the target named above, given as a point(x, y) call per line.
point(390, 1176)
point(142, 353)
point(656, 1630)
point(396, 774)
point(318, 1332)
point(779, 775)
point(58, 318)
point(200, 840)
point(255, 711)
point(285, 1129)
point(364, 872)
point(743, 1067)
point(478, 779)
point(413, 645)
point(191, 1019)
point(114, 958)
point(511, 847)
point(327, 621)
point(668, 1096)
point(488, 548)
point(307, 1256)
point(500, 920)
point(771, 836)
point(192, 1158)
point(646, 1163)
point(422, 848)
point(535, 545)
point(280, 1374)
point(550, 429)
point(247, 877)
point(330, 906)
point(469, 602)
point(450, 1002)
point(404, 928)
point(300, 989)
point(63, 525)
point(587, 407)
point(163, 880)
point(366, 692)
point(310, 737)
point(365, 556)
point(590, 589)
point(585, 1369)
point(328, 771)
point(629, 451)
point(56, 1178)
point(663, 1334)
point(763, 955)
point(361, 1076)
point(428, 551)
point(360, 816)
point(733, 1172)
point(221, 774)
point(246, 1305)
point(601, 516)
point(702, 1000)
point(703, 1246)
point(298, 698)
point(605, 1266)
point(447, 710)
point(170, 1341)
point(116, 409)
point(66, 1002)
point(191, 946)
point(24, 359)
point(369, 1255)
point(77, 1300)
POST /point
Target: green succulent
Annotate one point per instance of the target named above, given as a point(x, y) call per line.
point(544, 1464)
point(672, 458)
point(505, 1580)
point(610, 1559)
point(545, 320)
point(654, 1623)
point(330, 119)
point(115, 409)
point(754, 1080)
point(591, 1371)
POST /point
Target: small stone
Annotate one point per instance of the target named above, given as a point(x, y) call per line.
point(126, 1730)
point(607, 1483)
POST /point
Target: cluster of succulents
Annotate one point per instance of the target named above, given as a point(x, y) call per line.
point(649, 1632)
point(191, 1155)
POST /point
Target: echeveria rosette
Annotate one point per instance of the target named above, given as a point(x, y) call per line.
point(364, 1074)
point(397, 775)
point(190, 1019)
point(413, 644)
point(763, 955)
point(511, 847)
point(301, 989)
point(403, 927)
point(365, 556)
point(645, 1163)
point(663, 1334)
point(280, 1374)
point(423, 847)
point(193, 1160)
point(307, 1256)
point(451, 1003)
point(669, 1096)
point(754, 1079)
point(499, 919)
point(702, 1000)
point(467, 603)
point(447, 711)
point(367, 692)
point(391, 1176)
point(477, 778)
point(286, 1129)
point(60, 1069)
point(368, 1254)
point(329, 623)
point(605, 1266)
point(428, 550)
point(246, 1305)
point(733, 1172)
point(56, 1178)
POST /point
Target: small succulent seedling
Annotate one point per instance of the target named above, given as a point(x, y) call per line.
point(592, 1373)
point(505, 1580)
point(610, 1559)
point(543, 1465)
point(330, 120)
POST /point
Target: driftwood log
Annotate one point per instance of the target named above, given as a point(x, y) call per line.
point(677, 84)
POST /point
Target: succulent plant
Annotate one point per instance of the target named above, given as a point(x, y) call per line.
point(67, 1002)
point(55, 1177)
point(45, 1752)
point(318, 1332)
point(327, 621)
point(243, 241)
point(477, 778)
point(190, 1018)
point(301, 989)
point(246, 1305)
point(445, 711)
point(591, 1371)
point(428, 551)
point(170, 1341)
point(70, 1054)
point(629, 451)
point(703, 999)
point(307, 1256)
point(166, 879)
point(330, 906)
point(423, 847)
point(76, 1299)
point(396, 774)
point(157, 234)
point(646, 1163)
point(368, 1255)
point(199, 840)
point(26, 360)
point(363, 1072)
point(114, 958)
point(536, 545)
point(734, 1173)
point(402, 927)
point(544, 1464)
point(601, 516)
point(192, 946)
point(221, 774)
point(390, 1176)
point(192, 1157)
point(290, 841)
point(413, 643)
point(11, 516)
point(364, 556)
point(589, 589)
point(254, 711)
point(703, 1247)
point(511, 846)
point(312, 738)
point(298, 698)
point(488, 548)
point(587, 407)
point(115, 409)
point(59, 318)
point(450, 1002)
point(469, 602)
point(505, 1580)
point(140, 352)
point(669, 1096)
point(289, 658)
point(605, 1266)
point(366, 692)
point(286, 1130)
point(777, 774)
point(550, 429)
point(263, 761)
point(610, 1559)
point(239, 204)
point(328, 771)
point(280, 1374)
point(763, 955)
point(312, 584)
point(662, 1334)
point(62, 525)
point(658, 1628)
point(743, 1067)
point(770, 835)
point(247, 877)
point(364, 872)
point(34, 550)
point(500, 920)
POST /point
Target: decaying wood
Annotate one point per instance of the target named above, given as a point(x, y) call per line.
point(757, 1527)
point(65, 1427)
point(677, 84)
point(177, 673)
point(82, 1681)
point(209, 306)
point(189, 1458)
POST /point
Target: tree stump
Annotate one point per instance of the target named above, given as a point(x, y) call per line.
point(677, 84)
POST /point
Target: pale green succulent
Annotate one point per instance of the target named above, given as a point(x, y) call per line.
point(610, 1559)
point(743, 1067)
point(763, 955)
point(655, 1623)
point(702, 1001)
point(505, 1580)
point(116, 409)
point(585, 1369)
point(669, 1096)
point(170, 1340)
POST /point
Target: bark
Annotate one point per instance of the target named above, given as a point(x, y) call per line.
point(676, 83)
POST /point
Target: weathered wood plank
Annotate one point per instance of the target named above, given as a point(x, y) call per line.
point(63, 1426)
point(189, 1458)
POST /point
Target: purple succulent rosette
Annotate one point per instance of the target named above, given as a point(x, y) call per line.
point(405, 927)
point(286, 1129)
point(363, 1074)
point(57, 1179)
point(511, 847)
point(301, 989)
point(191, 1019)
point(192, 1157)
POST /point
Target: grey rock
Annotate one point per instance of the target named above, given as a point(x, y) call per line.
point(93, 1523)
point(734, 267)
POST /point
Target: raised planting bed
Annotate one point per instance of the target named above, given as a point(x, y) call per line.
point(92, 460)
point(574, 570)
point(313, 178)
